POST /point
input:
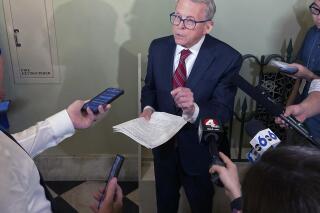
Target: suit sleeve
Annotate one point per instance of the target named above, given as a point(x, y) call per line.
point(148, 92)
point(220, 105)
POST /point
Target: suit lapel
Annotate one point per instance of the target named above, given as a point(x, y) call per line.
point(168, 58)
point(203, 60)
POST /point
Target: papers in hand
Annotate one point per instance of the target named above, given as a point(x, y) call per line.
point(158, 130)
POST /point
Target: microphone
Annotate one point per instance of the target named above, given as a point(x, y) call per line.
point(275, 109)
point(209, 133)
point(262, 139)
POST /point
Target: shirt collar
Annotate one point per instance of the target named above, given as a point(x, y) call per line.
point(194, 49)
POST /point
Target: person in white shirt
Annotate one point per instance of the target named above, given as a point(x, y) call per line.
point(20, 186)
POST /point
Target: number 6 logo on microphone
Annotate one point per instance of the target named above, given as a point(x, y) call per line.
point(264, 140)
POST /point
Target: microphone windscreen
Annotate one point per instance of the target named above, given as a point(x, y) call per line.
point(254, 126)
point(258, 94)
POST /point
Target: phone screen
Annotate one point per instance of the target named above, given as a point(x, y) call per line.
point(104, 98)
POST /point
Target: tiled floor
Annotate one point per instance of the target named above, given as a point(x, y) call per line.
point(76, 196)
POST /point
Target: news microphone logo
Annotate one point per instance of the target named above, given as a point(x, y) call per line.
point(209, 125)
point(253, 155)
point(263, 139)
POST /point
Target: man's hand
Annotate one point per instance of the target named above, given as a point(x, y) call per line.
point(82, 120)
point(281, 122)
point(146, 114)
point(302, 73)
point(228, 176)
point(183, 97)
point(112, 203)
point(298, 111)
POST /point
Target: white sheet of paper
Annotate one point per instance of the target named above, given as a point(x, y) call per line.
point(158, 130)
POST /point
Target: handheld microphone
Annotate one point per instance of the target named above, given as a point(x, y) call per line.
point(262, 139)
point(209, 133)
point(275, 109)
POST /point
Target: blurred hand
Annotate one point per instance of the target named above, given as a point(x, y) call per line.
point(146, 114)
point(112, 202)
point(281, 122)
point(82, 120)
point(302, 73)
point(228, 176)
point(298, 111)
point(183, 97)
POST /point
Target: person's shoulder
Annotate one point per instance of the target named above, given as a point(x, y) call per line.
point(167, 40)
point(221, 46)
point(314, 30)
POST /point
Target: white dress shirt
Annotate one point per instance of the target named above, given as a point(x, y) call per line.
point(19, 179)
point(189, 65)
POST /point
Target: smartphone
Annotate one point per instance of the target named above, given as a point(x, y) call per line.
point(104, 98)
point(284, 67)
point(114, 172)
point(4, 105)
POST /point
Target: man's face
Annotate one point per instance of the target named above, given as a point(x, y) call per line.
point(188, 9)
point(316, 18)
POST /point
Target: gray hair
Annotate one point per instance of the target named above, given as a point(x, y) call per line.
point(211, 7)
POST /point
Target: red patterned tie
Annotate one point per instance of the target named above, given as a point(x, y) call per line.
point(180, 75)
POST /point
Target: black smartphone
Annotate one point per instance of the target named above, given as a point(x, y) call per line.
point(114, 172)
point(104, 98)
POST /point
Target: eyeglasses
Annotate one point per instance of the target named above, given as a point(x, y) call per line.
point(314, 9)
point(188, 23)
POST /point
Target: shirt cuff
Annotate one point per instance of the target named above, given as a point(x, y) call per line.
point(61, 124)
point(236, 204)
point(192, 118)
point(314, 86)
point(148, 107)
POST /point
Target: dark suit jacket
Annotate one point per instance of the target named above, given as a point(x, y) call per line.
point(210, 83)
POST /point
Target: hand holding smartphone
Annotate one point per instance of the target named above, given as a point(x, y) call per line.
point(104, 98)
point(114, 172)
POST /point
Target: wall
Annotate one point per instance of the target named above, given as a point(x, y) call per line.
point(98, 42)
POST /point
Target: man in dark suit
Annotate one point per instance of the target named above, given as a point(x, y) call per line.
point(188, 74)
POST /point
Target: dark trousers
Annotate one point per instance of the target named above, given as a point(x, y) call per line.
point(170, 177)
